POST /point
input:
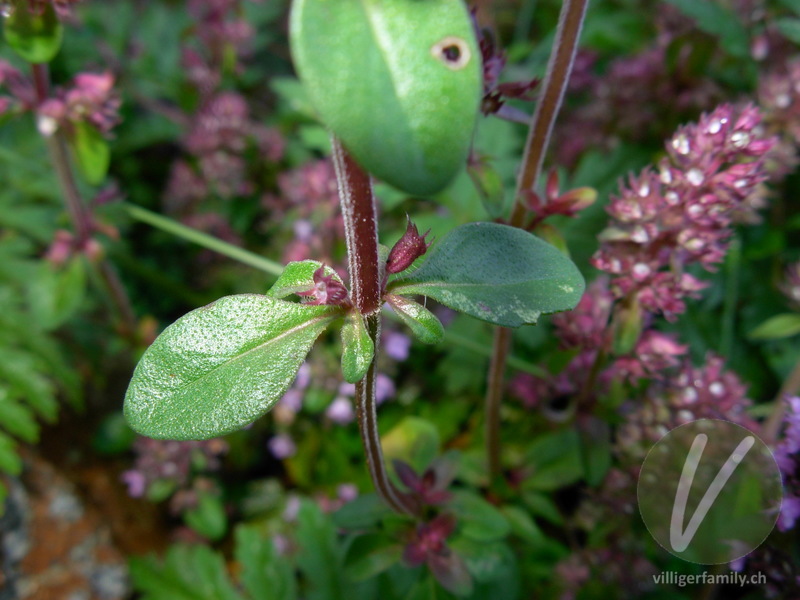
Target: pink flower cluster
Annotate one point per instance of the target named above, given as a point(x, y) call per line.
point(779, 99)
point(175, 466)
point(90, 99)
point(221, 132)
point(704, 392)
point(222, 33)
point(665, 220)
point(22, 95)
point(62, 7)
point(222, 135)
point(310, 192)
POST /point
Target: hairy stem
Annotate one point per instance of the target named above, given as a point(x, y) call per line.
point(559, 68)
point(570, 23)
point(361, 232)
point(79, 215)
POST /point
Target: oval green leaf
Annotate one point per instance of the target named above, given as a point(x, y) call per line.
point(34, 34)
point(777, 327)
point(358, 348)
point(398, 81)
point(222, 366)
point(496, 273)
point(91, 151)
point(423, 323)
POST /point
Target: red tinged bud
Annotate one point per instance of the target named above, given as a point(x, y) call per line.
point(408, 249)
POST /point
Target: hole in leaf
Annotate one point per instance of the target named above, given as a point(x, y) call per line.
point(453, 52)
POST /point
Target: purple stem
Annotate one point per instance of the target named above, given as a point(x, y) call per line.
point(361, 231)
point(555, 83)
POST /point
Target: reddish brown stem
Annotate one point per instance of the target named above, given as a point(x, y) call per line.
point(361, 232)
point(555, 83)
point(79, 214)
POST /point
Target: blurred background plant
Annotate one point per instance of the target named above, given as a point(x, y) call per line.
point(175, 119)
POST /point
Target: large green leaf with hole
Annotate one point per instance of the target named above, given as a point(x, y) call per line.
point(34, 33)
point(398, 81)
point(222, 366)
point(496, 273)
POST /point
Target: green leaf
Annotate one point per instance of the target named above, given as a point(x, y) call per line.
point(318, 557)
point(357, 348)
point(371, 554)
point(554, 460)
point(91, 151)
point(33, 34)
point(362, 513)
point(479, 520)
point(493, 567)
point(496, 273)
point(793, 5)
point(55, 293)
point(715, 19)
point(398, 81)
point(221, 366)
point(423, 323)
point(208, 517)
point(187, 573)
point(26, 379)
point(17, 419)
point(790, 28)
point(10, 462)
point(595, 448)
point(542, 505)
point(777, 327)
point(299, 277)
point(413, 440)
point(266, 575)
point(523, 525)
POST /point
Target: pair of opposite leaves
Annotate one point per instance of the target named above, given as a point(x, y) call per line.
point(397, 81)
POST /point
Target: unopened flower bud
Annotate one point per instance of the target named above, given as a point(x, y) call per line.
point(408, 249)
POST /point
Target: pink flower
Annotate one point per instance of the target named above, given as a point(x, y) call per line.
point(282, 446)
point(682, 214)
point(326, 290)
point(397, 345)
point(655, 352)
point(341, 411)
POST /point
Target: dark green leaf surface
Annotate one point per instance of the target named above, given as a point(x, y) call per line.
point(222, 366)
point(479, 520)
point(318, 557)
point(208, 518)
point(266, 575)
point(496, 273)
point(716, 19)
point(187, 573)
